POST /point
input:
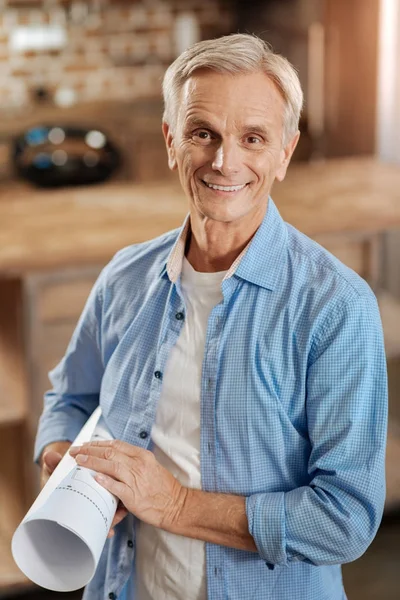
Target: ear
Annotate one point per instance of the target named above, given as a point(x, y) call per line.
point(169, 142)
point(286, 155)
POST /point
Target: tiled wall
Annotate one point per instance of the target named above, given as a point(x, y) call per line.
point(116, 49)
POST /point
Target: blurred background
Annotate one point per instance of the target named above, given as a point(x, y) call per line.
point(83, 172)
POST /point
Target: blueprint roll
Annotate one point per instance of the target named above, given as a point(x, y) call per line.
point(59, 542)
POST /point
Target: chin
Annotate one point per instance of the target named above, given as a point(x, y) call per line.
point(223, 216)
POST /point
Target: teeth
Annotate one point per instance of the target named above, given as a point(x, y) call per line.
point(225, 188)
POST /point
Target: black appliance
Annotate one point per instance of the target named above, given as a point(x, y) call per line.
point(57, 155)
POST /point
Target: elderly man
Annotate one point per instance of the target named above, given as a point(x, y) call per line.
point(238, 364)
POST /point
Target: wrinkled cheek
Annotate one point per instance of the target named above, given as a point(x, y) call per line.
point(188, 178)
point(185, 177)
point(186, 169)
point(195, 192)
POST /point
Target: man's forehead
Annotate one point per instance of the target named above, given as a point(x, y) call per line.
point(202, 79)
point(249, 95)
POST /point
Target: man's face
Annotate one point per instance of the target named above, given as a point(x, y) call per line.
point(227, 145)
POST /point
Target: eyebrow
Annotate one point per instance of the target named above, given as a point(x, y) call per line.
point(199, 122)
point(202, 123)
point(257, 129)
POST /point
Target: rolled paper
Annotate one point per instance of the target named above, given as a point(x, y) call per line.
point(59, 542)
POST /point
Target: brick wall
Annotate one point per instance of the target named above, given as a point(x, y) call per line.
point(116, 49)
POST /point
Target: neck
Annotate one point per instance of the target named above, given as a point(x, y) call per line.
point(213, 246)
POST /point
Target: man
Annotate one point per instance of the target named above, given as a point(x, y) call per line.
point(239, 366)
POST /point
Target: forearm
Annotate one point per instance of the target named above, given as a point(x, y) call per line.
point(222, 519)
point(216, 518)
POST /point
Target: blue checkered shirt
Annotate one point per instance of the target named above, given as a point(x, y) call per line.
point(293, 404)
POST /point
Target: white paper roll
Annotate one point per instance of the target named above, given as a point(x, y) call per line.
point(59, 542)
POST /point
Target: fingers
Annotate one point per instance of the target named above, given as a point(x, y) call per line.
point(110, 452)
point(116, 461)
point(119, 516)
point(117, 445)
point(115, 468)
point(112, 468)
point(59, 447)
point(51, 459)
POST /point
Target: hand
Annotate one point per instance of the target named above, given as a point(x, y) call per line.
point(51, 456)
point(120, 514)
point(134, 476)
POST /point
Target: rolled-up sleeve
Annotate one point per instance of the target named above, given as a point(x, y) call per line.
point(76, 380)
point(334, 518)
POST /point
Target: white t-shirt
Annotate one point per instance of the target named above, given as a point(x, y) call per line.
point(168, 566)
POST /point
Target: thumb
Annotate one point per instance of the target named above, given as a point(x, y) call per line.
point(51, 459)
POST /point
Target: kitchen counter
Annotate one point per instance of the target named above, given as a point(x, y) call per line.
point(45, 229)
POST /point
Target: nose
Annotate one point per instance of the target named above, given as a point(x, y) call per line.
point(227, 158)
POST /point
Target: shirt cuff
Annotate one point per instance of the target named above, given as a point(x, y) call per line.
point(266, 518)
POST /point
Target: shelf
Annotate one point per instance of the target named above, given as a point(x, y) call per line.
point(390, 315)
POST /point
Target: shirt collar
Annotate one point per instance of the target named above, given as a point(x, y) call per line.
point(263, 262)
point(175, 259)
point(260, 262)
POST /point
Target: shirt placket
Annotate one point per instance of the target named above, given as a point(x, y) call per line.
point(209, 440)
point(171, 329)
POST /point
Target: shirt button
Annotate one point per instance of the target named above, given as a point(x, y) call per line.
point(143, 435)
point(112, 596)
point(180, 316)
point(130, 544)
point(158, 375)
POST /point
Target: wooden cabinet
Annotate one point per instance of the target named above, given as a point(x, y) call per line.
point(351, 76)
point(37, 319)
point(13, 496)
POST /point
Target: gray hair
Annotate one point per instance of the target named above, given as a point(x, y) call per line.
point(235, 54)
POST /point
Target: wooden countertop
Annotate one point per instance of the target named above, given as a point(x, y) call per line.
point(42, 229)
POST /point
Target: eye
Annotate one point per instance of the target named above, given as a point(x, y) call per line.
point(253, 140)
point(203, 136)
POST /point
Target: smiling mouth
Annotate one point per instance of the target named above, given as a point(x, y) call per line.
point(224, 188)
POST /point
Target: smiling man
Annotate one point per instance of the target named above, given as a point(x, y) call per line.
point(238, 364)
point(229, 146)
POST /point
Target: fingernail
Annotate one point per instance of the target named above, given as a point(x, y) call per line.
point(100, 478)
point(82, 458)
point(74, 449)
